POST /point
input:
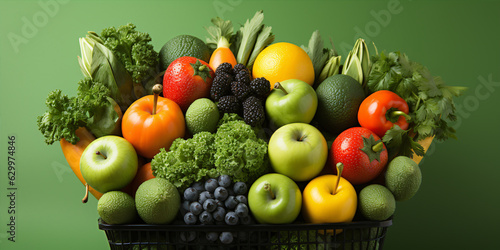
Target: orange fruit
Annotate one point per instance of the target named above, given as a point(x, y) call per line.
point(283, 61)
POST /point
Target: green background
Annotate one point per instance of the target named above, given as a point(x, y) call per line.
point(457, 206)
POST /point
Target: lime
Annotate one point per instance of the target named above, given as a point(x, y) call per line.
point(376, 202)
point(202, 115)
point(116, 207)
point(183, 45)
point(403, 178)
point(339, 97)
point(157, 201)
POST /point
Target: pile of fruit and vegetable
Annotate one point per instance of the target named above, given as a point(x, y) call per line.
point(240, 129)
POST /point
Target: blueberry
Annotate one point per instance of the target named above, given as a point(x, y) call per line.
point(190, 194)
point(241, 210)
point(230, 191)
point(206, 218)
point(224, 181)
point(219, 214)
point(242, 199)
point(231, 218)
point(221, 193)
point(240, 188)
point(212, 236)
point(199, 186)
point(246, 220)
point(219, 203)
point(196, 208)
point(226, 238)
point(204, 196)
point(231, 202)
point(210, 205)
point(190, 218)
point(185, 207)
point(211, 185)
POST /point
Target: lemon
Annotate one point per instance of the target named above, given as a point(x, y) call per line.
point(376, 202)
point(283, 61)
point(202, 115)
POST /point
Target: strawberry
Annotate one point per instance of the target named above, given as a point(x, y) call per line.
point(187, 79)
point(362, 152)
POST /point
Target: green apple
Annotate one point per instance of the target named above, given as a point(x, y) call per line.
point(291, 101)
point(298, 150)
point(109, 163)
point(274, 199)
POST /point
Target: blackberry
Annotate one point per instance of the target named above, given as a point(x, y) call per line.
point(261, 86)
point(229, 104)
point(221, 86)
point(243, 76)
point(241, 90)
point(239, 67)
point(253, 111)
point(224, 68)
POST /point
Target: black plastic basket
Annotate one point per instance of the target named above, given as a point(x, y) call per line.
point(353, 235)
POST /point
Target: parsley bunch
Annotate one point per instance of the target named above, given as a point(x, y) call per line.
point(430, 101)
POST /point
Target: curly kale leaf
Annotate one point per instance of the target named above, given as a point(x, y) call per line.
point(239, 153)
point(65, 114)
point(234, 150)
point(187, 161)
point(134, 50)
point(59, 121)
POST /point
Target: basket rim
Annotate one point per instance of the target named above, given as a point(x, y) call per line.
point(253, 227)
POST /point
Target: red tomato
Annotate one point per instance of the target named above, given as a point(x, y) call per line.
point(187, 79)
point(362, 152)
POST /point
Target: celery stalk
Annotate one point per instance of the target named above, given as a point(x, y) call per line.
point(265, 38)
point(249, 33)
